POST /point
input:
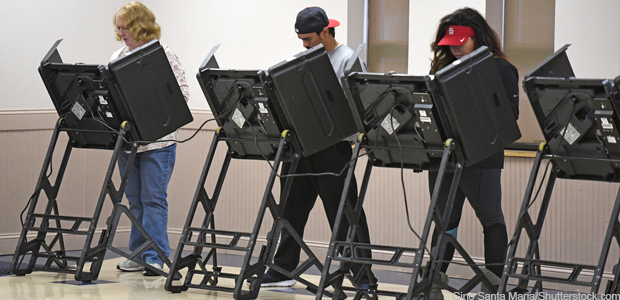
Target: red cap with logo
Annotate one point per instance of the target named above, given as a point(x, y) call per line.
point(457, 35)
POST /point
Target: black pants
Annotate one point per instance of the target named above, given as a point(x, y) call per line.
point(482, 188)
point(302, 198)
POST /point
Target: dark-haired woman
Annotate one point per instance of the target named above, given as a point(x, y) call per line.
point(459, 34)
point(147, 185)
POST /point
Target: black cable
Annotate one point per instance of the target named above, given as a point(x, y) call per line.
point(256, 142)
point(346, 166)
point(513, 239)
point(342, 171)
point(47, 176)
point(469, 265)
point(552, 157)
point(223, 114)
point(112, 130)
point(380, 98)
point(402, 166)
point(402, 174)
point(21, 215)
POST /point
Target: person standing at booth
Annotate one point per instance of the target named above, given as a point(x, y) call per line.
point(459, 34)
point(313, 28)
point(150, 173)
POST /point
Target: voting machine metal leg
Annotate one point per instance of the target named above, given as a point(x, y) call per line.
point(55, 248)
point(530, 267)
point(207, 236)
point(51, 228)
point(347, 252)
point(440, 220)
point(266, 257)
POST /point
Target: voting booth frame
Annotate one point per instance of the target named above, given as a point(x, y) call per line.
point(100, 107)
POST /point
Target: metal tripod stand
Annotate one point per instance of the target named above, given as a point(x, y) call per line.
point(529, 268)
point(348, 252)
point(51, 227)
point(203, 271)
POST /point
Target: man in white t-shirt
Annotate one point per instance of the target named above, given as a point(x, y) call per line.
point(313, 28)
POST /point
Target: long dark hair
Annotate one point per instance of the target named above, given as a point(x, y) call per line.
point(469, 17)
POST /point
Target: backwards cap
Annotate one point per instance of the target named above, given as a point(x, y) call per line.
point(313, 19)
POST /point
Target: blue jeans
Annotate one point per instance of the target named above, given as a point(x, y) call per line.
point(146, 192)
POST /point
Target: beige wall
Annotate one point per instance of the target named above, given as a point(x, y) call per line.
point(573, 231)
point(424, 19)
point(252, 34)
point(593, 30)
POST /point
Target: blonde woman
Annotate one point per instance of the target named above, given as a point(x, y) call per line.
point(150, 173)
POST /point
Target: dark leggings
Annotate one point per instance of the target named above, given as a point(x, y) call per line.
point(482, 188)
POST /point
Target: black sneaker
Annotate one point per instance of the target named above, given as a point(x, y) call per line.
point(365, 283)
point(436, 293)
point(495, 281)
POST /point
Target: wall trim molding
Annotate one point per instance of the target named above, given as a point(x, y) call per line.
point(45, 119)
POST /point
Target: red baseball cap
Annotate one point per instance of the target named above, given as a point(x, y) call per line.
point(457, 35)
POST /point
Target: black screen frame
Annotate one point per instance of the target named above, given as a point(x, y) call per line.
point(556, 65)
point(236, 96)
point(582, 103)
point(311, 100)
point(146, 86)
point(474, 100)
point(408, 99)
point(84, 100)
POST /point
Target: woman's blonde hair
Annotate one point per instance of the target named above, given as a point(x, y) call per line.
point(140, 21)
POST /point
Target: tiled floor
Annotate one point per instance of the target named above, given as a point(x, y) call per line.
point(117, 285)
point(113, 284)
